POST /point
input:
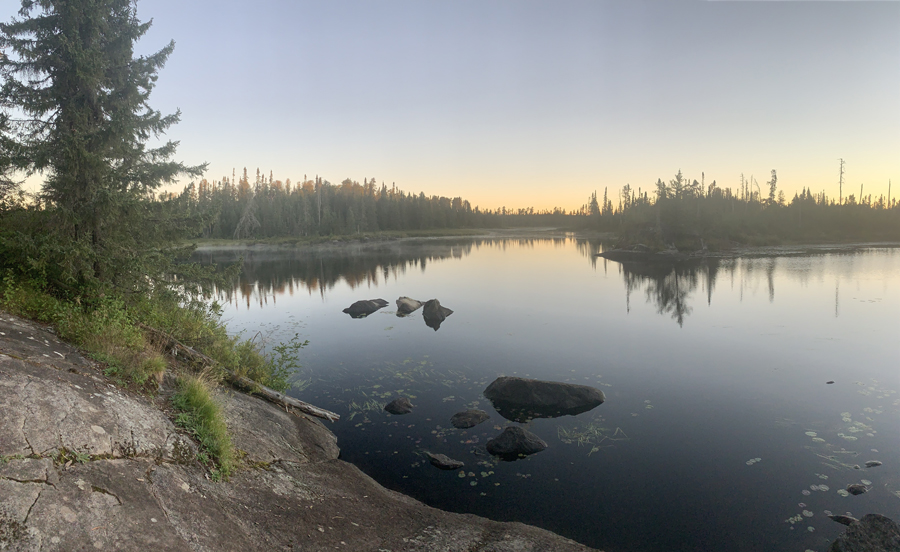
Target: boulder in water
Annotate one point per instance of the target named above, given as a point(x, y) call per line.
point(522, 399)
point(434, 314)
point(873, 533)
point(399, 406)
point(468, 418)
point(514, 443)
point(444, 462)
point(405, 306)
point(362, 309)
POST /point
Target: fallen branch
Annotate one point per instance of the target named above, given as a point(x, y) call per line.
point(180, 349)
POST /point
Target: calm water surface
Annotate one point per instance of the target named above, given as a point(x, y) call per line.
point(719, 431)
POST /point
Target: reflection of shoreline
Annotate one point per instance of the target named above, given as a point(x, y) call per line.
point(269, 272)
point(669, 286)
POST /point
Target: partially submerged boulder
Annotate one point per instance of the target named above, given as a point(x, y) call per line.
point(405, 306)
point(844, 520)
point(362, 309)
point(434, 314)
point(444, 462)
point(514, 443)
point(468, 418)
point(522, 399)
point(399, 406)
point(873, 533)
point(857, 489)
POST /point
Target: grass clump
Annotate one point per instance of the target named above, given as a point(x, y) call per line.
point(203, 417)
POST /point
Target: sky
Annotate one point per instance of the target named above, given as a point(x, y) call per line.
point(534, 103)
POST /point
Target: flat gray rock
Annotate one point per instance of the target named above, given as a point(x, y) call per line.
point(444, 462)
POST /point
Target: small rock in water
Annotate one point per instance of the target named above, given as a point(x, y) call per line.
point(857, 489)
point(444, 462)
point(515, 442)
point(468, 418)
point(829, 382)
point(434, 314)
point(873, 463)
point(399, 406)
point(362, 309)
point(405, 306)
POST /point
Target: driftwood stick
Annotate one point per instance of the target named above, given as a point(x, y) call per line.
point(242, 382)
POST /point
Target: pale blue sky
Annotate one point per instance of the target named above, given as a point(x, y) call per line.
point(534, 103)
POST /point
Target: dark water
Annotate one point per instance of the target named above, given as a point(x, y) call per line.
point(706, 369)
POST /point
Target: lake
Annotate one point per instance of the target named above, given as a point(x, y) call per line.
point(720, 430)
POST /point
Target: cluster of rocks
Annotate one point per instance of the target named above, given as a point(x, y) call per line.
point(433, 312)
point(518, 400)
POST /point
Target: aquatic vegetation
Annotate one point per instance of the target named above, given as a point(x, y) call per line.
point(753, 461)
point(592, 434)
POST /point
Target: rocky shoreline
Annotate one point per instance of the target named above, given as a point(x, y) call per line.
point(87, 465)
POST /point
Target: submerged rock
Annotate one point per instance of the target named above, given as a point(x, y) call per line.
point(434, 314)
point(873, 464)
point(405, 306)
point(515, 442)
point(844, 520)
point(468, 418)
point(873, 533)
point(362, 309)
point(521, 399)
point(857, 489)
point(399, 406)
point(444, 462)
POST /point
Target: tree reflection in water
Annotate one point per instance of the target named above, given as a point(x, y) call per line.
point(271, 271)
point(669, 286)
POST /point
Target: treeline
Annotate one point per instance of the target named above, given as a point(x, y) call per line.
point(236, 208)
point(690, 215)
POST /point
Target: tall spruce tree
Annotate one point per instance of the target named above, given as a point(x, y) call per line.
point(76, 98)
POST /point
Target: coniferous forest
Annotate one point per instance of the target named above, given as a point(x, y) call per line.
point(679, 212)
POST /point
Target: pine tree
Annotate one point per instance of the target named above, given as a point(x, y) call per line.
point(77, 99)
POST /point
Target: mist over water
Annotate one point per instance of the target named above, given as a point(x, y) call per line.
point(719, 430)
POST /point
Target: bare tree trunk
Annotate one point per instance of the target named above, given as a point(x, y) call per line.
point(242, 382)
